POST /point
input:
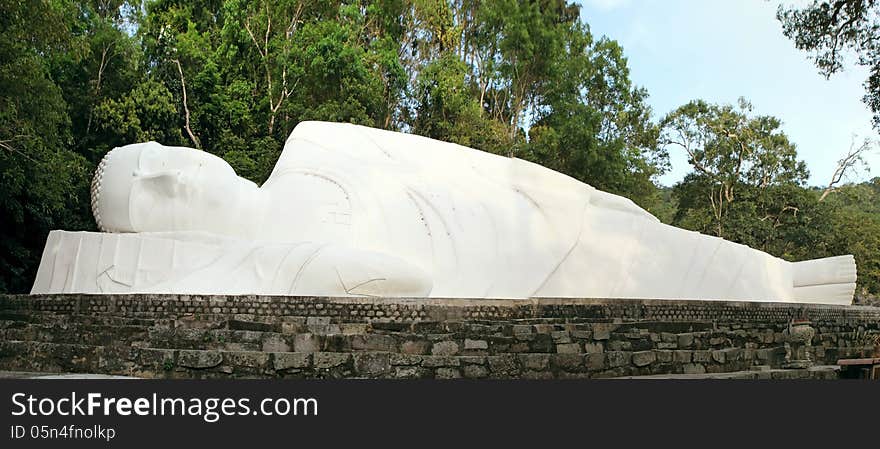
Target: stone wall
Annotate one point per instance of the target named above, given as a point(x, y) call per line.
point(248, 336)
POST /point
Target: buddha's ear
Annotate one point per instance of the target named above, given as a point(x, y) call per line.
point(167, 183)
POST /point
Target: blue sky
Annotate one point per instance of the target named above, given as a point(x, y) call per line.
point(720, 50)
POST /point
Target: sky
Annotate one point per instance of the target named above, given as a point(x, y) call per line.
point(720, 50)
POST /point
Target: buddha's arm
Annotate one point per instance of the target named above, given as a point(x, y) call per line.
point(343, 271)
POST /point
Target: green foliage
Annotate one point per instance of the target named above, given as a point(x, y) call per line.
point(41, 183)
point(138, 116)
point(831, 31)
point(731, 153)
point(854, 213)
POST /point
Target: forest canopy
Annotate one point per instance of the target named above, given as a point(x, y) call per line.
point(526, 79)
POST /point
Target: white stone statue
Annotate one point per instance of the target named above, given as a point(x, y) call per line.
point(351, 210)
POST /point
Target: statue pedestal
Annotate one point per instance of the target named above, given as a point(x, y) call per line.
point(225, 336)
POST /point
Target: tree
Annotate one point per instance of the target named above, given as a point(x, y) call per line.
point(728, 150)
point(854, 216)
point(850, 161)
point(100, 64)
point(830, 30)
point(448, 110)
point(593, 124)
point(43, 184)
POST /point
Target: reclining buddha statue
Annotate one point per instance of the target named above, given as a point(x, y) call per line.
point(355, 211)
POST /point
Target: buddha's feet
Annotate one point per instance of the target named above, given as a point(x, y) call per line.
point(831, 280)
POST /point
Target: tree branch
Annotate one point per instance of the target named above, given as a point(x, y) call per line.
point(192, 136)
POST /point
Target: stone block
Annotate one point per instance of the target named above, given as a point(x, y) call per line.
point(567, 362)
point(353, 328)
point(475, 371)
point(568, 348)
point(595, 361)
point(290, 328)
point(619, 345)
point(335, 343)
point(419, 347)
point(682, 356)
point(247, 359)
point(157, 358)
point(602, 331)
point(405, 359)
point(581, 334)
point(616, 359)
point(733, 354)
point(472, 359)
point(288, 360)
point(503, 365)
point(643, 358)
point(694, 368)
point(444, 348)
point(592, 348)
point(544, 328)
point(327, 360)
point(324, 329)
point(541, 343)
point(526, 337)
point(561, 337)
point(716, 341)
point(274, 343)
point(685, 340)
point(770, 355)
point(475, 344)
point(519, 329)
point(664, 355)
point(317, 320)
point(199, 359)
point(433, 361)
point(372, 364)
point(702, 356)
point(447, 373)
point(306, 343)
point(535, 362)
point(373, 342)
point(411, 372)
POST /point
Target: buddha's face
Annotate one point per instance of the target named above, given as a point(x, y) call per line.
point(149, 187)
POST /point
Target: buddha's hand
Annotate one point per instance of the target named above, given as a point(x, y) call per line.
point(341, 271)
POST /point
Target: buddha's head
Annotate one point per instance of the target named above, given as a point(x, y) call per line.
point(148, 187)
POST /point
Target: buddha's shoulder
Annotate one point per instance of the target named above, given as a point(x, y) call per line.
point(311, 126)
point(328, 131)
point(363, 141)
